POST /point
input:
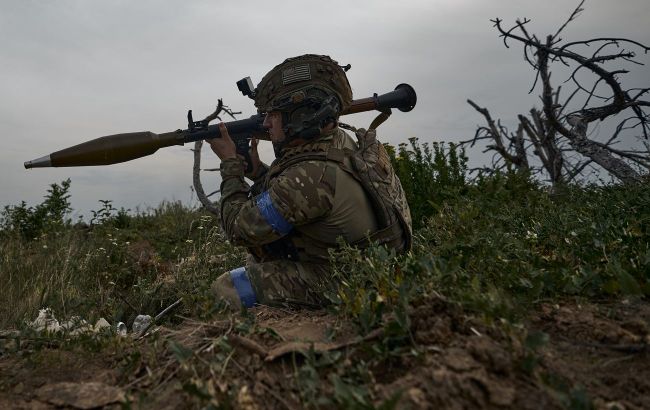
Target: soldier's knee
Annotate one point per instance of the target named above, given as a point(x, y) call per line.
point(223, 289)
point(234, 288)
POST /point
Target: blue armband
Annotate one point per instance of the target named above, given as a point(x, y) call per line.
point(272, 215)
point(243, 286)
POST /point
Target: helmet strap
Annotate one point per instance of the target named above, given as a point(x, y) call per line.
point(297, 125)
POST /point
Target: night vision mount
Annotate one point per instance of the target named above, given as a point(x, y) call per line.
point(245, 85)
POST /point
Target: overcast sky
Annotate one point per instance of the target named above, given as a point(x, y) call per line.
point(71, 71)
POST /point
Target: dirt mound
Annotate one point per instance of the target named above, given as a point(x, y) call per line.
point(275, 358)
point(463, 364)
point(53, 377)
point(604, 348)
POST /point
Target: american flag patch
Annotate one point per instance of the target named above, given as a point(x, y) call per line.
point(296, 73)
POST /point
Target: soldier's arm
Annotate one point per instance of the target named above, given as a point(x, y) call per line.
point(258, 179)
point(300, 195)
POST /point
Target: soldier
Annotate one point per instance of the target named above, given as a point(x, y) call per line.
point(309, 196)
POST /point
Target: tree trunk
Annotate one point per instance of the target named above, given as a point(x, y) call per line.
point(578, 139)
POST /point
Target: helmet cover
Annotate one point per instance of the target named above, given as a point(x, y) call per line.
point(285, 83)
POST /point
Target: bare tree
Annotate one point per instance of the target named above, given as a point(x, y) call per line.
point(196, 170)
point(557, 135)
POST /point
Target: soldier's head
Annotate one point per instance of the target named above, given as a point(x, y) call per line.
point(302, 96)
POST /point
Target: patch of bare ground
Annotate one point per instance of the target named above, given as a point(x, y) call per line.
point(458, 362)
point(603, 347)
point(54, 378)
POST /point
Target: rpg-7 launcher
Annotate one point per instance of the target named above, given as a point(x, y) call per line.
point(113, 149)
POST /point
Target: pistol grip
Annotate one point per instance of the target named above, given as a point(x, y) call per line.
point(243, 148)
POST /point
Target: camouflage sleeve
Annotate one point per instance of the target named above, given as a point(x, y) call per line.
point(234, 190)
point(300, 195)
point(258, 180)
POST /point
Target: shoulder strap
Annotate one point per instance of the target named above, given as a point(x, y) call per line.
point(379, 119)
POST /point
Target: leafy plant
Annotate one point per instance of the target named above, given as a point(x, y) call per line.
point(109, 215)
point(430, 175)
point(31, 222)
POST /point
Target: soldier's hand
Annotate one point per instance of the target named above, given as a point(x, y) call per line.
point(255, 159)
point(224, 147)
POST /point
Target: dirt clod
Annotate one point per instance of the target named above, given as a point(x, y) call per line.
point(80, 395)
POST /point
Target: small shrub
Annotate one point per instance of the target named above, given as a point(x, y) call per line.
point(48, 216)
point(430, 175)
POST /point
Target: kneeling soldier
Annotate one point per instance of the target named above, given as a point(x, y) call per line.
point(312, 194)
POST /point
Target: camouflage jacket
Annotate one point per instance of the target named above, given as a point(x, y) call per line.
point(302, 207)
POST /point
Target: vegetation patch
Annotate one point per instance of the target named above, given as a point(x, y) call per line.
point(506, 280)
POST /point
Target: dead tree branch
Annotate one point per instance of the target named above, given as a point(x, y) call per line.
point(196, 169)
point(513, 153)
point(556, 131)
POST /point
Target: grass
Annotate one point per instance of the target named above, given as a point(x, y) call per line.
point(496, 245)
point(506, 244)
point(114, 269)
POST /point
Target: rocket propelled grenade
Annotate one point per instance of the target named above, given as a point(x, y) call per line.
point(113, 149)
point(107, 150)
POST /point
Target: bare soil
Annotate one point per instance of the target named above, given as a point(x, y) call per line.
point(593, 354)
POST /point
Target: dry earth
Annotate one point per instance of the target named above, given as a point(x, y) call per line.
point(594, 353)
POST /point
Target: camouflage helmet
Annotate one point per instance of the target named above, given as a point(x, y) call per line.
point(285, 81)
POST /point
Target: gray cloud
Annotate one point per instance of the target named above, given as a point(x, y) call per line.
point(75, 70)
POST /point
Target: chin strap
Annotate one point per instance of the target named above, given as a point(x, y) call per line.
point(309, 127)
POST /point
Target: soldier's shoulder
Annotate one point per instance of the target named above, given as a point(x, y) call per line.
point(306, 176)
point(305, 180)
point(311, 168)
point(344, 140)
